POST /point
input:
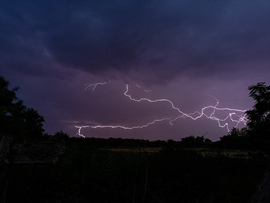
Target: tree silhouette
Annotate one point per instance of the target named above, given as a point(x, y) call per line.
point(33, 123)
point(15, 118)
point(259, 117)
point(192, 141)
point(60, 136)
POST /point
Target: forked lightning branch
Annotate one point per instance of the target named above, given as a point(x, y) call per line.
point(236, 116)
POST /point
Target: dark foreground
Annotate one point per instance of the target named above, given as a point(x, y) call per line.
point(86, 173)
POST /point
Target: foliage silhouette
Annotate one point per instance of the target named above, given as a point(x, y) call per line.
point(258, 126)
point(194, 142)
point(235, 139)
point(257, 133)
point(60, 136)
point(15, 118)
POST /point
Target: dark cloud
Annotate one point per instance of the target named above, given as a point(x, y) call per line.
point(152, 36)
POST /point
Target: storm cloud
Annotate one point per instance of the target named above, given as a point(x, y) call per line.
point(158, 37)
point(59, 44)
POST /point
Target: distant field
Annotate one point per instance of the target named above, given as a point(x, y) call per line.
point(233, 153)
point(203, 151)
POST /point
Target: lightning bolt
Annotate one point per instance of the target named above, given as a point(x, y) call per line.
point(79, 130)
point(199, 114)
point(131, 128)
point(235, 115)
point(94, 86)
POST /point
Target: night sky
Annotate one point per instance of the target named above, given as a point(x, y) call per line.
point(189, 52)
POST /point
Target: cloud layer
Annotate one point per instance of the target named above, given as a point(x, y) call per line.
point(163, 38)
point(55, 47)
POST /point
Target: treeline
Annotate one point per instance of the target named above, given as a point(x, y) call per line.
point(191, 141)
point(226, 142)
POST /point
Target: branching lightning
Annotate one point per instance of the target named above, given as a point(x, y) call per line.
point(234, 115)
point(79, 130)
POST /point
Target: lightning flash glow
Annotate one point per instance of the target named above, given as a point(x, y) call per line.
point(236, 116)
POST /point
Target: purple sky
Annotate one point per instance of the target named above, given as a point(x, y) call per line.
point(184, 51)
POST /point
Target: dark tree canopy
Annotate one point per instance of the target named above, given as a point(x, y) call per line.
point(260, 113)
point(256, 135)
point(258, 125)
point(33, 122)
point(192, 141)
point(15, 118)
